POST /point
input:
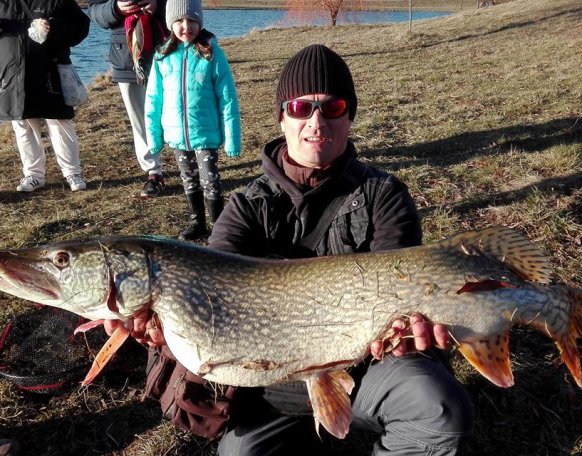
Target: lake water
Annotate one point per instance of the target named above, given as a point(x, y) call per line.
point(91, 56)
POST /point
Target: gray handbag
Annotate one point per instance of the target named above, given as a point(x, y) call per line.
point(74, 91)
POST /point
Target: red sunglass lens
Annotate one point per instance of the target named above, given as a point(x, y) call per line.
point(303, 109)
point(334, 108)
point(300, 109)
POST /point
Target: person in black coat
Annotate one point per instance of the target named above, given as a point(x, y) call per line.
point(30, 88)
point(112, 15)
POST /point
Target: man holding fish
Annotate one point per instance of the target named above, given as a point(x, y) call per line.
point(316, 199)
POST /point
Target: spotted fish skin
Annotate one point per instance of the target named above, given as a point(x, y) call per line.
point(252, 322)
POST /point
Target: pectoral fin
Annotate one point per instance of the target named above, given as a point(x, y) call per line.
point(329, 395)
point(490, 356)
point(87, 326)
point(116, 340)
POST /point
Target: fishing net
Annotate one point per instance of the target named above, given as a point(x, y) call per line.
point(40, 353)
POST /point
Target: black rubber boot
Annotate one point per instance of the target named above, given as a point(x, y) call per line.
point(197, 226)
point(215, 207)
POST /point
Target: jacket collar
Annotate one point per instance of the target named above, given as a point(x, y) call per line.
point(272, 164)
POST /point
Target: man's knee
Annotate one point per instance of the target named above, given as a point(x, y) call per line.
point(418, 405)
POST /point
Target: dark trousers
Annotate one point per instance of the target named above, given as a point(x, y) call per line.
point(413, 402)
point(199, 171)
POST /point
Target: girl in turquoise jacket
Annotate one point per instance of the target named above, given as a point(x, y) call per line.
point(191, 105)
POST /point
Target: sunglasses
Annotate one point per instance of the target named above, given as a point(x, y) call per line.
point(303, 109)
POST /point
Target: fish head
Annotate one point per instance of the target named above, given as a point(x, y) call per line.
point(107, 279)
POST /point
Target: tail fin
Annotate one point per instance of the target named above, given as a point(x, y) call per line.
point(566, 327)
point(568, 343)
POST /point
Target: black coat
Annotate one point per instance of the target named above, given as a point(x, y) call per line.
point(29, 82)
point(376, 212)
point(104, 14)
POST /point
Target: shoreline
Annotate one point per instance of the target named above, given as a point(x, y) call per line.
point(450, 6)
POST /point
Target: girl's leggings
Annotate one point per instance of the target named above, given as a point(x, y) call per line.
point(199, 171)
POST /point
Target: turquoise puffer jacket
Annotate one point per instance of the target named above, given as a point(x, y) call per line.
point(191, 102)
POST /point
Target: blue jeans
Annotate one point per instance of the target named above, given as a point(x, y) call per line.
point(413, 402)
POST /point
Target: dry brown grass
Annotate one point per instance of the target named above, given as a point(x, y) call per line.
point(479, 112)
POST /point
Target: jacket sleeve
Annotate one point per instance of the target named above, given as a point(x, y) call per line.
point(225, 91)
point(70, 27)
point(154, 103)
point(238, 229)
point(396, 223)
point(103, 13)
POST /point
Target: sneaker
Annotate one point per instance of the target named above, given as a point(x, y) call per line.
point(154, 186)
point(30, 184)
point(76, 182)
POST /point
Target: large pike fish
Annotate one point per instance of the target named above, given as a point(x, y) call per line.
point(245, 321)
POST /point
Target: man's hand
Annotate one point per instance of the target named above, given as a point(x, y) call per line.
point(144, 327)
point(128, 7)
point(416, 334)
point(149, 6)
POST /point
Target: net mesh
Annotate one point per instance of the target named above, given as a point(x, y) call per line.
point(40, 353)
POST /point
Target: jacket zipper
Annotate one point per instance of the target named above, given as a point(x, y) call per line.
point(185, 98)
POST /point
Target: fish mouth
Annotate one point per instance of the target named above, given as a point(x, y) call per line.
point(20, 277)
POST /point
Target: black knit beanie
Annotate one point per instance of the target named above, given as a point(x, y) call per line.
point(316, 69)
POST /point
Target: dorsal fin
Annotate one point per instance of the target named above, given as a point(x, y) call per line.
point(509, 247)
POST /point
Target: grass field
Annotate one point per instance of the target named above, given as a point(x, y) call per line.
point(479, 112)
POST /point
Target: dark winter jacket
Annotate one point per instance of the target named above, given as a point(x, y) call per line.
point(270, 218)
point(104, 14)
point(374, 211)
point(29, 81)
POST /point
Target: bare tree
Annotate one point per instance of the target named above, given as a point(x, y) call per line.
point(307, 9)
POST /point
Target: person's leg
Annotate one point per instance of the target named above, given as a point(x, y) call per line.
point(133, 96)
point(63, 137)
point(416, 404)
point(190, 175)
point(189, 172)
point(272, 435)
point(32, 154)
point(210, 181)
point(65, 144)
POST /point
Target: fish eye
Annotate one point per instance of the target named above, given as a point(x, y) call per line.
point(61, 259)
